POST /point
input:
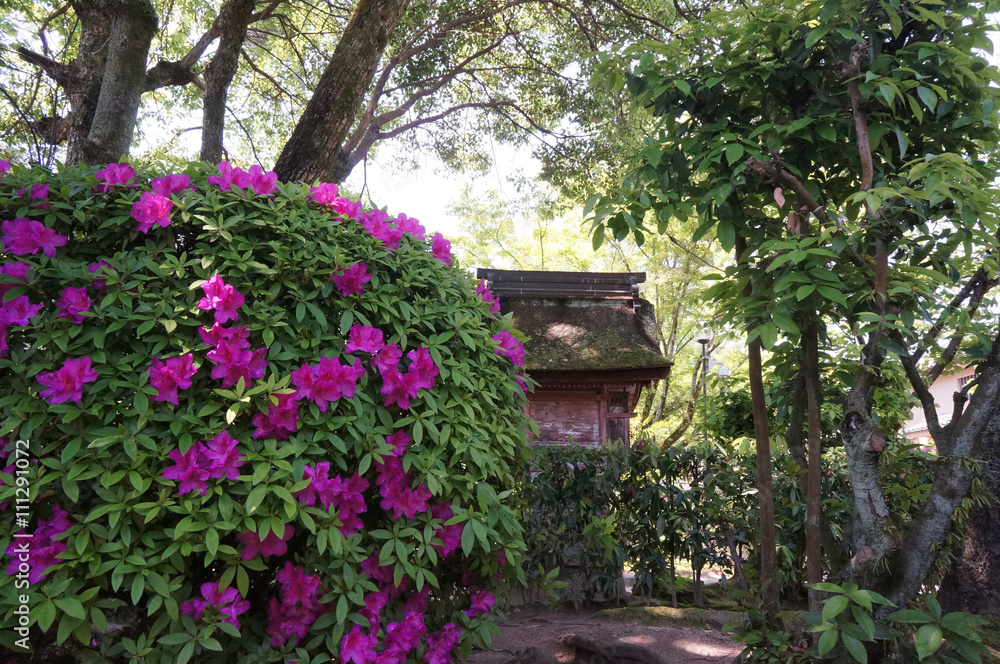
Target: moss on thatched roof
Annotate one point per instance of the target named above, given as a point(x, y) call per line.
point(573, 334)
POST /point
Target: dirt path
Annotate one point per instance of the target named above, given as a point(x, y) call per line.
point(541, 628)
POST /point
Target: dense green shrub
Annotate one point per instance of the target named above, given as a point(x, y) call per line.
point(256, 424)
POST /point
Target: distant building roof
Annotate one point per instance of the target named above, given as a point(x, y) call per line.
point(581, 321)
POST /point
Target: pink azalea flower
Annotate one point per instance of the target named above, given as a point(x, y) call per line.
point(411, 226)
point(168, 376)
point(488, 297)
point(399, 388)
point(228, 603)
point(114, 175)
point(298, 608)
point(441, 644)
point(66, 383)
point(236, 336)
point(407, 502)
point(171, 184)
point(324, 193)
point(365, 339)
point(450, 536)
point(72, 303)
point(230, 177)
point(441, 248)
point(387, 360)
point(327, 381)
point(272, 545)
point(349, 280)
point(374, 603)
point(482, 604)
point(358, 648)
point(280, 420)
point(233, 360)
point(398, 442)
point(16, 271)
point(151, 209)
point(100, 267)
point(346, 208)
point(4, 166)
point(192, 469)
point(221, 297)
point(509, 347)
point(18, 311)
point(27, 236)
point(377, 223)
point(225, 458)
point(298, 587)
point(38, 191)
point(519, 379)
point(262, 183)
point(44, 549)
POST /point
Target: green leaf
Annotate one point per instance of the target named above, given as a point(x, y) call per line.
point(864, 621)
point(71, 607)
point(726, 233)
point(138, 585)
point(910, 616)
point(832, 294)
point(683, 86)
point(927, 641)
point(468, 538)
point(255, 498)
point(827, 641)
point(834, 606)
point(855, 647)
point(828, 587)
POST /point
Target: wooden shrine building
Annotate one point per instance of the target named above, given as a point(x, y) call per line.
point(591, 348)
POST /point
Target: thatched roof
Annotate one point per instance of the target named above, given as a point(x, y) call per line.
point(585, 334)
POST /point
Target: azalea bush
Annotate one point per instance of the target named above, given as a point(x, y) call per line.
point(246, 421)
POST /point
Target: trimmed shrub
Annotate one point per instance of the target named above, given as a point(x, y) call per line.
point(245, 421)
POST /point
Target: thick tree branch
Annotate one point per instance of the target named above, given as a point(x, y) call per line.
point(232, 22)
point(58, 72)
point(774, 172)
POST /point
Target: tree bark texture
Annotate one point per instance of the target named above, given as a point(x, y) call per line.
point(814, 563)
point(314, 148)
point(112, 79)
point(973, 583)
point(234, 17)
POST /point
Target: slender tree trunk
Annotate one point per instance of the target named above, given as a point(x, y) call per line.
point(765, 486)
point(234, 17)
point(314, 150)
point(126, 28)
point(814, 564)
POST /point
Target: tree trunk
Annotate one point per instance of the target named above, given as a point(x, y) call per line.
point(973, 583)
point(112, 78)
point(313, 152)
point(814, 564)
point(234, 17)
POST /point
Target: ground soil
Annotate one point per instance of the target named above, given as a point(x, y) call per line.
point(695, 638)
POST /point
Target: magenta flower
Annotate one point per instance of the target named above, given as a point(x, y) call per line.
point(345, 496)
point(324, 193)
point(441, 248)
point(38, 191)
point(192, 469)
point(18, 311)
point(151, 209)
point(358, 648)
point(327, 381)
point(400, 388)
point(66, 384)
point(298, 587)
point(379, 227)
point(262, 183)
point(27, 236)
point(233, 360)
point(488, 297)
point(171, 184)
point(230, 177)
point(100, 267)
point(349, 280)
point(236, 336)
point(272, 545)
point(44, 549)
point(4, 166)
point(440, 644)
point(224, 458)
point(346, 208)
point(280, 420)
point(365, 339)
point(398, 442)
point(298, 607)
point(72, 303)
point(387, 360)
point(16, 271)
point(482, 604)
point(509, 347)
point(411, 226)
point(114, 175)
point(168, 376)
point(450, 535)
point(228, 603)
point(374, 603)
point(221, 297)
